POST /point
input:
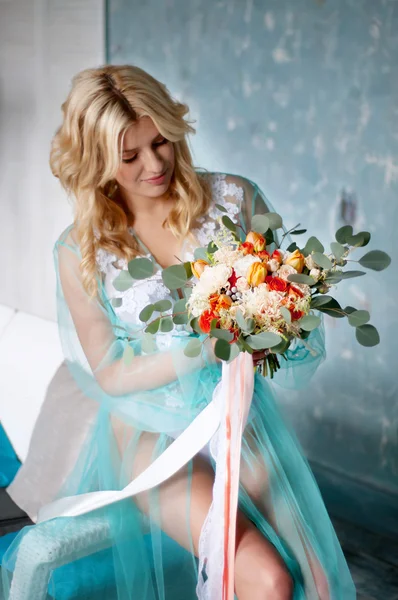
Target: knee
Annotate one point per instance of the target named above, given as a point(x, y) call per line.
point(276, 583)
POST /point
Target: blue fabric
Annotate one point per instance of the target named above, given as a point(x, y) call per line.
point(279, 493)
point(9, 462)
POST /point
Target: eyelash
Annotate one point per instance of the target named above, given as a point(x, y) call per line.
point(130, 160)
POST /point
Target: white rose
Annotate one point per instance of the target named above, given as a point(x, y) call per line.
point(285, 270)
point(213, 278)
point(273, 265)
point(242, 264)
point(315, 273)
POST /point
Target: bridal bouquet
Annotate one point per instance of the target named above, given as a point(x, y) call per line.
point(251, 295)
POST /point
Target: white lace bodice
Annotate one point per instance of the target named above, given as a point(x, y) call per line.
point(143, 292)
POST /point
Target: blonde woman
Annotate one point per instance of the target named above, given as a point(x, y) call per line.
point(122, 154)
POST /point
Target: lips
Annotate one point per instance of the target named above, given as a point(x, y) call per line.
point(155, 179)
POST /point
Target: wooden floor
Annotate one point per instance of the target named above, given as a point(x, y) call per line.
point(373, 561)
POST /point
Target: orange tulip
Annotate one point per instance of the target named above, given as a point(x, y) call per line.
point(246, 248)
point(257, 240)
point(198, 267)
point(264, 255)
point(256, 274)
point(296, 260)
point(277, 255)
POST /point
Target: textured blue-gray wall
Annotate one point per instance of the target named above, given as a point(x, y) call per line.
point(300, 96)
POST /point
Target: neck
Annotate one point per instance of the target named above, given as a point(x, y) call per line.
point(143, 207)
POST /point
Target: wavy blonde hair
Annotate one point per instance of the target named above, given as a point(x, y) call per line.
point(86, 152)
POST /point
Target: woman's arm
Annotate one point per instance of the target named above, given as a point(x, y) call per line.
point(102, 348)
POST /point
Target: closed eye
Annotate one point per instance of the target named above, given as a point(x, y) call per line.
point(130, 160)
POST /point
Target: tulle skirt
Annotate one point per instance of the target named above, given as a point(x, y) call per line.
point(144, 548)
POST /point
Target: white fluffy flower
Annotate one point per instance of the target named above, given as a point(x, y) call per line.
point(242, 284)
point(285, 270)
point(309, 262)
point(213, 279)
point(242, 264)
point(273, 265)
point(226, 256)
point(315, 273)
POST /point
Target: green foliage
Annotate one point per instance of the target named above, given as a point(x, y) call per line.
point(123, 281)
point(140, 268)
point(174, 277)
point(367, 335)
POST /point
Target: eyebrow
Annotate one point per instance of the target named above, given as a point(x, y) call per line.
point(135, 149)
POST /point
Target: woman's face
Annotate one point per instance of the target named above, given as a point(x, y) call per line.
point(148, 161)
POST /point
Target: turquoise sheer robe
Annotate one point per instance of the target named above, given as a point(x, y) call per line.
point(144, 403)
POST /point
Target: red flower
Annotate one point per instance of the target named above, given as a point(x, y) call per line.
point(246, 248)
point(205, 320)
point(233, 279)
point(296, 314)
point(276, 283)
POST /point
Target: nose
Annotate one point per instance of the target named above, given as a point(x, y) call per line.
point(153, 164)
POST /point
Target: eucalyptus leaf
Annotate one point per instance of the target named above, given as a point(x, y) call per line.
point(293, 246)
point(228, 223)
point(240, 319)
point(321, 260)
point(269, 237)
point(317, 301)
point(377, 260)
point(117, 302)
point(360, 239)
point(351, 274)
point(194, 323)
point(162, 305)
point(146, 313)
point(367, 335)
point(193, 348)
point(275, 220)
point(174, 277)
point(128, 354)
point(181, 319)
point(337, 249)
point(264, 340)
point(358, 317)
point(343, 233)
point(180, 306)
point(301, 278)
point(140, 268)
point(332, 308)
point(334, 277)
point(234, 351)
point(249, 325)
point(220, 207)
point(212, 247)
point(123, 281)
point(281, 347)
point(298, 231)
point(244, 345)
point(313, 245)
point(166, 324)
point(153, 327)
point(350, 309)
point(309, 322)
point(222, 334)
point(200, 254)
point(260, 223)
point(188, 269)
point(222, 349)
point(286, 314)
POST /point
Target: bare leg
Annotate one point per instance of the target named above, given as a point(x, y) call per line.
point(259, 570)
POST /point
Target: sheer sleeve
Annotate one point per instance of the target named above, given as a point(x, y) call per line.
point(110, 361)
